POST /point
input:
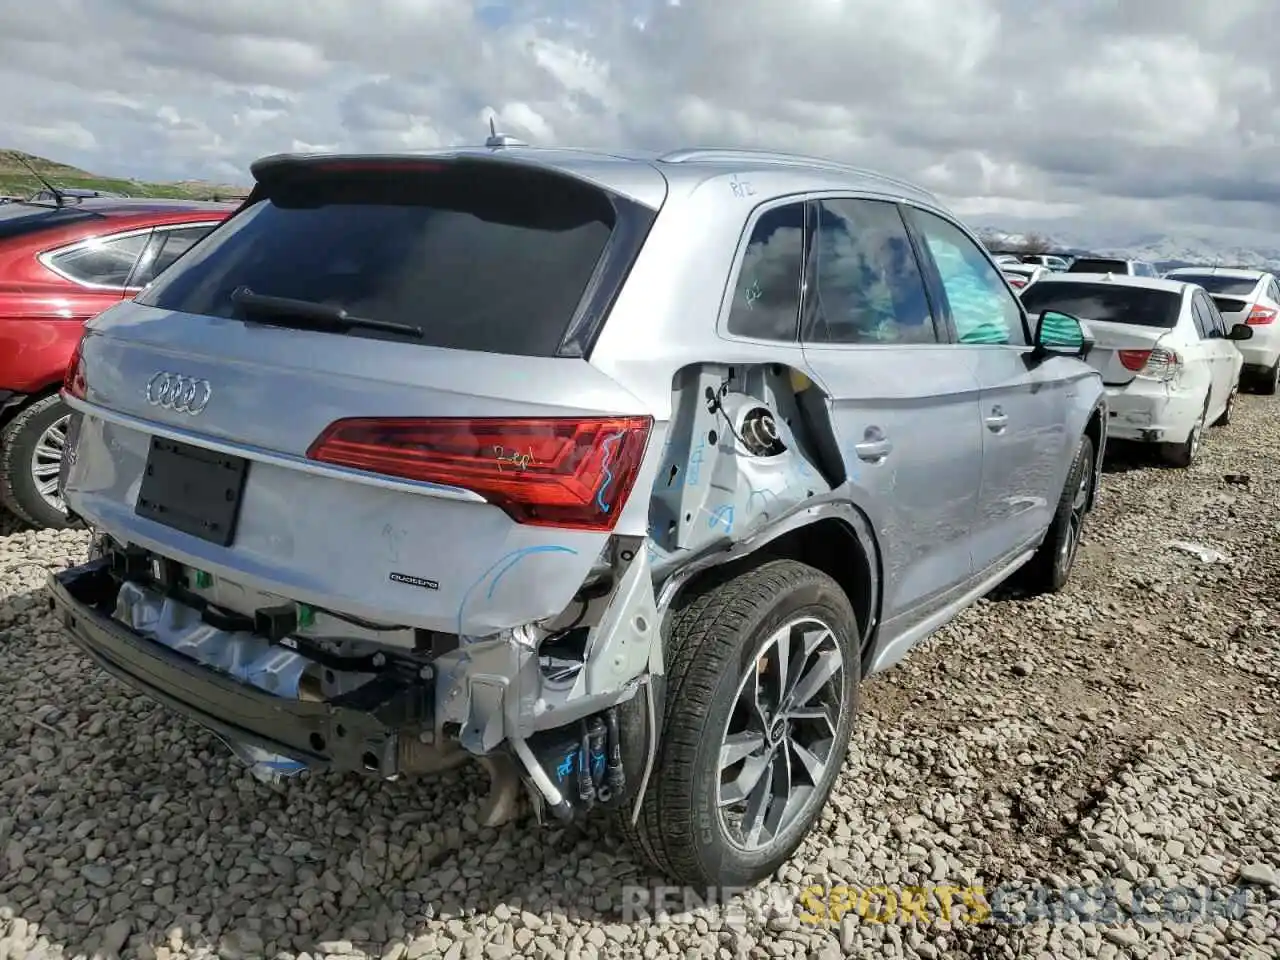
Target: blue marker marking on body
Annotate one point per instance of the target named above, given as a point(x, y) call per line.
point(609, 444)
point(722, 516)
point(695, 464)
point(566, 765)
point(506, 562)
point(764, 496)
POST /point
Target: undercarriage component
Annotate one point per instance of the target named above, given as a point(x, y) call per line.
point(578, 769)
point(358, 730)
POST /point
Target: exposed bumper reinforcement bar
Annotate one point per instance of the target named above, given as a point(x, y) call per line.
point(361, 736)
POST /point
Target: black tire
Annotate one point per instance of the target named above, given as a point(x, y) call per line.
point(713, 641)
point(18, 444)
point(1225, 418)
point(1049, 568)
point(1184, 454)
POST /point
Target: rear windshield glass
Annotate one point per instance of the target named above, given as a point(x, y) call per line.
point(476, 256)
point(1098, 265)
point(21, 219)
point(1239, 286)
point(1105, 302)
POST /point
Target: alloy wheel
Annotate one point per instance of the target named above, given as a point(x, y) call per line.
point(780, 737)
point(1075, 521)
point(46, 461)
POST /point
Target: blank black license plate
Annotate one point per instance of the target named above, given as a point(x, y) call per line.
point(192, 489)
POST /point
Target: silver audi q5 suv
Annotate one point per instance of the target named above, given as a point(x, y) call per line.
point(618, 473)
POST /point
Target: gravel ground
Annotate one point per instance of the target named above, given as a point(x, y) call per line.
point(1126, 731)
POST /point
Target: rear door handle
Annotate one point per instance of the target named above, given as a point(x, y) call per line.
point(873, 451)
point(997, 420)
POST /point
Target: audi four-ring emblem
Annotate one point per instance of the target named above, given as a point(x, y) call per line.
point(172, 391)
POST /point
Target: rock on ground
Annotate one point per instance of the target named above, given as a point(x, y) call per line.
point(1124, 732)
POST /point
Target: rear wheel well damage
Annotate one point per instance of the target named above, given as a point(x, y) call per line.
point(830, 545)
point(750, 472)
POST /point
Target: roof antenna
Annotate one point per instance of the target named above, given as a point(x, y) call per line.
point(496, 140)
point(59, 197)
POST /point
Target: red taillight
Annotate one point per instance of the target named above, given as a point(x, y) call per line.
point(73, 384)
point(1134, 359)
point(1261, 316)
point(1018, 282)
point(562, 472)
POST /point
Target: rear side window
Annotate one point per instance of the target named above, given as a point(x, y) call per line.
point(101, 262)
point(1211, 315)
point(1231, 286)
point(1098, 265)
point(478, 256)
point(868, 283)
point(166, 247)
point(766, 297)
point(1201, 316)
point(1105, 302)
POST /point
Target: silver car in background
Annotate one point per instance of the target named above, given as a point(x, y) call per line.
point(619, 473)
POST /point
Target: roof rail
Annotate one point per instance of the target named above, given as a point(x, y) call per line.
point(694, 154)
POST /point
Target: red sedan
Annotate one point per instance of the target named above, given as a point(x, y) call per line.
point(60, 266)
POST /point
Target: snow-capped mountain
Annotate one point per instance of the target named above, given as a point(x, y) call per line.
point(1164, 251)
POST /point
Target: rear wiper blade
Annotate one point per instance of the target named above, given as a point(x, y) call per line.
point(307, 315)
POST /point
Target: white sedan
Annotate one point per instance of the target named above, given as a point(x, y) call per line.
point(1168, 359)
point(1246, 296)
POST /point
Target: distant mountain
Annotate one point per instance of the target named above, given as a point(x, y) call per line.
point(1164, 251)
point(16, 180)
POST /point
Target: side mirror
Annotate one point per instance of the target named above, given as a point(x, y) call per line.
point(1063, 335)
point(1240, 332)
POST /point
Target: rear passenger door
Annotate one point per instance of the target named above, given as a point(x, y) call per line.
point(1024, 405)
point(904, 399)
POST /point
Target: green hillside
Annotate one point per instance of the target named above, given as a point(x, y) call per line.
point(16, 180)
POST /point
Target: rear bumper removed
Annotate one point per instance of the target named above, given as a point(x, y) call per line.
point(485, 699)
point(363, 734)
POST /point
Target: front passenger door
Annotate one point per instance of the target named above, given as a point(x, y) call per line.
point(1024, 405)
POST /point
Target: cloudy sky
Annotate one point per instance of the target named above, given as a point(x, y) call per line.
point(1145, 116)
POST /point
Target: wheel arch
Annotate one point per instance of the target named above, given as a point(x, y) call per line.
point(1096, 430)
point(21, 401)
point(835, 537)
